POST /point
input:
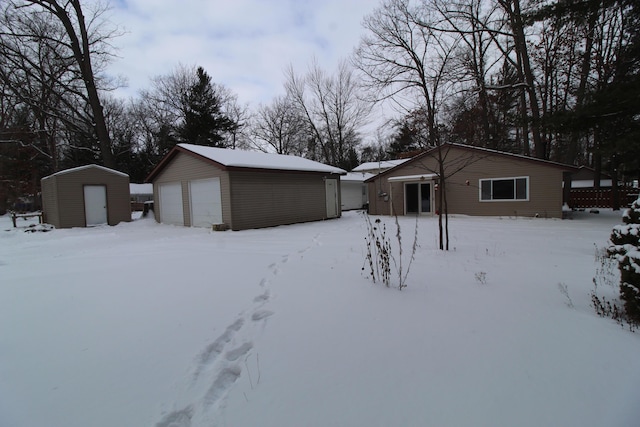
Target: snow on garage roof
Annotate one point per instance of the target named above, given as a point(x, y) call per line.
point(259, 160)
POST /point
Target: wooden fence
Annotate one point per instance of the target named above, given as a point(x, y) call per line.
point(603, 198)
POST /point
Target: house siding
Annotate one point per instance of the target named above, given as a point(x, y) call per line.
point(265, 199)
point(65, 204)
point(184, 168)
point(462, 166)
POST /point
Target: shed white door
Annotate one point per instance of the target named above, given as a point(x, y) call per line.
point(95, 204)
point(206, 202)
point(171, 203)
point(331, 187)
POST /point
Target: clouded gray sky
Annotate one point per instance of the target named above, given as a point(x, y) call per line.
point(244, 44)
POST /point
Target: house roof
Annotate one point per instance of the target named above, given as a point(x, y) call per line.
point(383, 164)
point(79, 168)
point(231, 159)
point(486, 151)
point(356, 176)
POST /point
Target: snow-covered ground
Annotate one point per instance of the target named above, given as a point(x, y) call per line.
point(145, 324)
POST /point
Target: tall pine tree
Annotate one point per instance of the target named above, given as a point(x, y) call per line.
point(204, 121)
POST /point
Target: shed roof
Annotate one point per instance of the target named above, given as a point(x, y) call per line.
point(79, 168)
point(228, 158)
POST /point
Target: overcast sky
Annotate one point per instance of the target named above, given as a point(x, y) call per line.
point(244, 44)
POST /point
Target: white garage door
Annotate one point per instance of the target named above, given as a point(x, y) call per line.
point(171, 203)
point(206, 202)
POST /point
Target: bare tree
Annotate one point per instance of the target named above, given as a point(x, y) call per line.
point(34, 73)
point(237, 135)
point(333, 110)
point(281, 127)
point(86, 45)
point(516, 20)
point(403, 59)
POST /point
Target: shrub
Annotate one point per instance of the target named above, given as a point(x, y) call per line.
point(625, 249)
point(380, 253)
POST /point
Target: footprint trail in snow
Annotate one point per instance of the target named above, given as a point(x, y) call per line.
point(219, 366)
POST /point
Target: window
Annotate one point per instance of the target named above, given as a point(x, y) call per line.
point(500, 189)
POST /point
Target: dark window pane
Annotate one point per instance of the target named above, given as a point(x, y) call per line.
point(503, 189)
point(425, 195)
point(521, 188)
point(411, 197)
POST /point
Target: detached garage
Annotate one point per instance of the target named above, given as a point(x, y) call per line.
point(199, 186)
point(86, 196)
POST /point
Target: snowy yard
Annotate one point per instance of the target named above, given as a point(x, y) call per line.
point(145, 324)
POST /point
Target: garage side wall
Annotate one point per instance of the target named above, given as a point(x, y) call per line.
point(51, 213)
point(265, 199)
point(70, 196)
point(184, 168)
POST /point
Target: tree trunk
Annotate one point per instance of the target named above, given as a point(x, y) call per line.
point(82, 54)
point(512, 7)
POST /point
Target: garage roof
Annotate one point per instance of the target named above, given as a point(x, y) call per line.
point(229, 158)
point(258, 159)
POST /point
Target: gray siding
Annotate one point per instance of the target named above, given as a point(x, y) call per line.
point(251, 198)
point(50, 210)
point(264, 199)
point(465, 169)
point(64, 195)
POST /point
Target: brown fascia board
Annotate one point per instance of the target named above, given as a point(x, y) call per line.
point(564, 167)
point(244, 169)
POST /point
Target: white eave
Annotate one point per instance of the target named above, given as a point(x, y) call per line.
point(423, 177)
point(79, 168)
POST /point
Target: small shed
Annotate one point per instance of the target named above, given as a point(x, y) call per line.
point(198, 186)
point(86, 196)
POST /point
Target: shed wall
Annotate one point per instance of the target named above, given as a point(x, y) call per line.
point(51, 212)
point(545, 185)
point(67, 197)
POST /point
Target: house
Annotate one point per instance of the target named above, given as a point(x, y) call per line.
point(85, 196)
point(353, 190)
point(202, 186)
point(478, 181)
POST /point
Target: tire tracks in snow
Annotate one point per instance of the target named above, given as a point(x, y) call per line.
point(219, 365)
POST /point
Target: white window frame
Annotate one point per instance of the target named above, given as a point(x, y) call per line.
point(514, 178)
